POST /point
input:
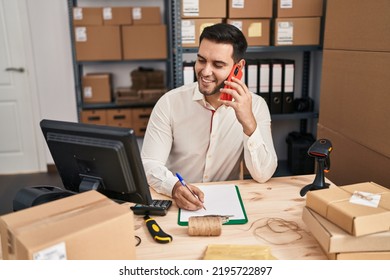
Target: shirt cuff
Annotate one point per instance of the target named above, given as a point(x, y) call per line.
point(254, 141)
point(168, 185)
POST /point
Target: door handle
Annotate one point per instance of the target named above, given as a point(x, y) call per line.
point(14, 69)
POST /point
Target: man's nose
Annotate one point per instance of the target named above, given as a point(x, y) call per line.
point(207, 70)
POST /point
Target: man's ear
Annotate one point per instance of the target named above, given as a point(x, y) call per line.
point(242, 63)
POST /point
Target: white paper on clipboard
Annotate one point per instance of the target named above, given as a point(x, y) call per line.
point(219, 200)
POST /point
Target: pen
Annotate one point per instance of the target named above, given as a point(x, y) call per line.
point(184, 184)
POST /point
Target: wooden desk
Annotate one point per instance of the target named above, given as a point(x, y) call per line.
point(278, 198)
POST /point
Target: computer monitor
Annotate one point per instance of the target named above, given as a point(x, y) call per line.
point(97, 157)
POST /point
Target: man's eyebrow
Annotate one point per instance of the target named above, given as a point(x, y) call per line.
point(214, 61)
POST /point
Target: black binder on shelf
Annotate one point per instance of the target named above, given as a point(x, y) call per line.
point(288, 85)
point(264, 80)
point(275, 101)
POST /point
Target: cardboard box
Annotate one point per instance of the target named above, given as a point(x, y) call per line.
point(126, 95)
point(333, 239)
point(146, 15)
point(203, 9)
point(352, 162)
point(355, 97)
point(94, 116)
point(97, 43)
point(256, 31)
point(357, 25)
point(299, 8)
point(84, 226)
point(144, 42)
point(192, 28)
point(117, 15)
point(85, 16)
point(297, 31)
point(357, 219)
point(360, 256)
point(97, 88)
point(119, 117)
point(250, 9)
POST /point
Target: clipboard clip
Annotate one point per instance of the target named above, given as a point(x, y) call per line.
point(224, 218)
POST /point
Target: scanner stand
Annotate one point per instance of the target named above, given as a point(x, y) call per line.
point(319, 180)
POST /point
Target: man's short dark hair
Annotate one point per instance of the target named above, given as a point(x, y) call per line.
point(227, 34)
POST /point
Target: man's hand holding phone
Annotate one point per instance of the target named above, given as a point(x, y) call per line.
point(243, 101)
point(235, 72)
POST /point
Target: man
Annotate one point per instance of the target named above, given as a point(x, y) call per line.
point(192, 132)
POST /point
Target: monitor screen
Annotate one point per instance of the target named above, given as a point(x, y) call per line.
point(97, 157)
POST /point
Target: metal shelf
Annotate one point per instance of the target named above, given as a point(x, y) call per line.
point(78, 65)
point(295, 116)
point(113, 105)
point(273, 49)
point(82, 62)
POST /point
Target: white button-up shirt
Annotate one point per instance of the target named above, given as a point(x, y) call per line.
point(185, 134)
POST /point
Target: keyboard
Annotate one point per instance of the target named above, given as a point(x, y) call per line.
point(159, 207)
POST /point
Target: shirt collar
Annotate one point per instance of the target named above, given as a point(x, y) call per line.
point(199, 98)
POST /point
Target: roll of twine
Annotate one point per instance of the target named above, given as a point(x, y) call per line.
point(204, 226)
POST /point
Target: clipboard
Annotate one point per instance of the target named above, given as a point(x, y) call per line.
point(219, 200)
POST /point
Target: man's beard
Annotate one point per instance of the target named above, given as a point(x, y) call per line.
point(215, 91)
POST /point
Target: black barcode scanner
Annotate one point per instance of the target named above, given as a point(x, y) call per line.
point(320, 150)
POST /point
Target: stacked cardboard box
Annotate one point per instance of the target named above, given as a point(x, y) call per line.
point(354, 101)
point(97, 88)
point(93, 39)
point(116, 33)
point(350, 222)
point(147, 37)
point(119, 33)
point(197, 15)
point(85, 226)
point(253, 18)
point(298, 22)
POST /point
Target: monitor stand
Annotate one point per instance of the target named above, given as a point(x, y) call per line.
point(90, 183)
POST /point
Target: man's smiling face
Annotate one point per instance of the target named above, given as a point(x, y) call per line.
point(213, 65)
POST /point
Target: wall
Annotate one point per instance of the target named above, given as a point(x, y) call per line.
point(49, 29)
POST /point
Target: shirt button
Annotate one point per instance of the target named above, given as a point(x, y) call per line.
point(206, 177)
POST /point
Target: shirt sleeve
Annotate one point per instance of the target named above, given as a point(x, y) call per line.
point(259, 152)
point(156, 148)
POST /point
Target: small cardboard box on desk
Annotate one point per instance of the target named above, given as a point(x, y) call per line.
point(359, 209)
point(83, 226)
point(346, 230)
point(339, 244)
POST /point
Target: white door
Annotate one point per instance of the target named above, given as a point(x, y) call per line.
point(19, 152)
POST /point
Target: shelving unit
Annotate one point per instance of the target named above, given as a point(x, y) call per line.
point(79, 66)
point(175, 59)
point(306, 51)
point(178, 62)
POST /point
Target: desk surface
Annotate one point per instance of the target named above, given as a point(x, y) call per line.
point(278, 198)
